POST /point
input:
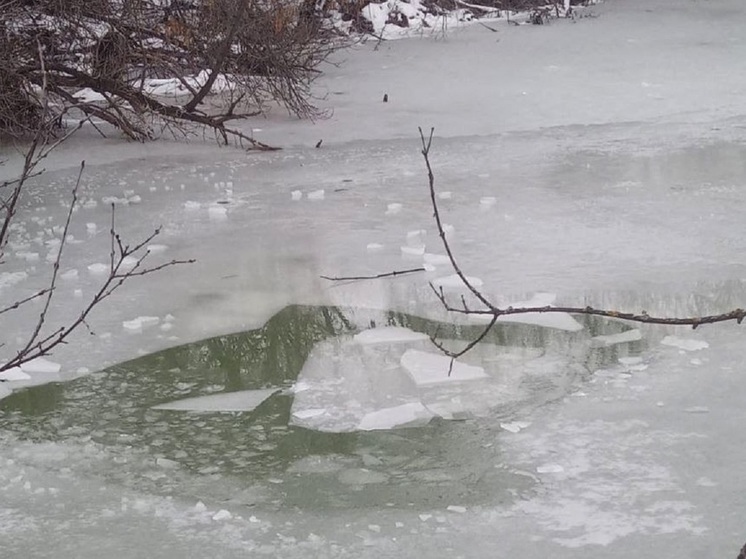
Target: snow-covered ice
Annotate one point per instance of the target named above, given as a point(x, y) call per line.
point(388, 335)
point(618, 178)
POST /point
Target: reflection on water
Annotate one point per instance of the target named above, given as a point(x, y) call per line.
point(257, 456)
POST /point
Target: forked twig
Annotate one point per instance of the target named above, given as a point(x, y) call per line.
point(491, 310)
point(377, 276)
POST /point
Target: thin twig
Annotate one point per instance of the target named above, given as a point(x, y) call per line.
point(377, 276)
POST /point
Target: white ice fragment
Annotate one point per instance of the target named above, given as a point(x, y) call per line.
point(166, 326)
point(241, 401)
point(200, 507)
point(136, 199)
point(41, 365)
point(166, 463)
point(515, 426)
point(425, 517)
point(98, 269)
point(627, 336)
point(15, 373)
point(448, 229)
point(169, 318)
point(687, 344)
point(374, 247)
point(486, 202)
point(430, 368)
point(191, 206)
point(397, 416)
point(222, 514)
point(550, 469)
point(417, 235)
point(133, 326)
point(28, 256)
point(78, 293)
point(630, 360)
point(413, 250)
point(374, 528)
point(4, 391)
point(393, 208)
point(446, 195)
point(388, 335)
point(436, 259)
point(296, 195)
point(456, 508)
point(697, 409)
point(91, 228)
point(309, 413)
point(429, 267)
point(155, 249)
point(316, 195)
point(70, 274)
point(455, 282)
point(253, 519)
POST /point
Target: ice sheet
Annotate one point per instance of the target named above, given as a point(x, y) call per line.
point(389, 335)
point(429, 368)
point(240, 401)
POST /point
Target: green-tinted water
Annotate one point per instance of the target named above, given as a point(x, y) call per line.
point(257, 456)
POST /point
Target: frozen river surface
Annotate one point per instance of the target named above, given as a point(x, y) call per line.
point(602, 161)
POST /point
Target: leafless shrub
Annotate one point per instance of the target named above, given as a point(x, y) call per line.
point(149, 66)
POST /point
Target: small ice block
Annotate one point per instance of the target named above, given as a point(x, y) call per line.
point(429, 368)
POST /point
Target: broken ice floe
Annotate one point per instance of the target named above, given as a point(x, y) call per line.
point(685, 344)
point(405, 415)
point(515, 426)
point(98, 269)
point(296, 195)
point(241, 401)
point(41, 365)
point(556, 320)
point(436, 259)
point(374, 247)
point(388, 335)
point(413, 250)
point(431, 368)
point(393, 208)
point(137, 324)
point(627, 336)
point(15, 373)
point(316, 195)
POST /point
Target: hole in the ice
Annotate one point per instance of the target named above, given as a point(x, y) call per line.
point(291, 384)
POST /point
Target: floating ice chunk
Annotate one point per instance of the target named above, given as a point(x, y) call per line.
point(241, 401)
point(136, 199)
point(389, 335)
point(397, 416)
point(191, 206)
point(222, 514)
point(98, 269)
point(166, 463)
point(78, 293)
point(456, 508)
point(630, 360)
point(429, 267)
point(309, 413)
point(28, 256)
point(91, 228)
point(446, 195)
point(417, 235)
point(393, 208)
point(41, 365)
point(374, 247)
point(559, 321)
point(296, 195)
point(200, 507)
point(515, 426)
point(436, 259)
point(15, 373)
point(316, 195)
point(166, 326)
point(429, 368)
point(455, 282)
point(4, 391)
point(686, 344)
point(137, 324)
point(70, 274)
point(448, 229)
point(425, 517)
point(627, 336)
point(550, 469)
point(217, 213)
point(413, 250)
